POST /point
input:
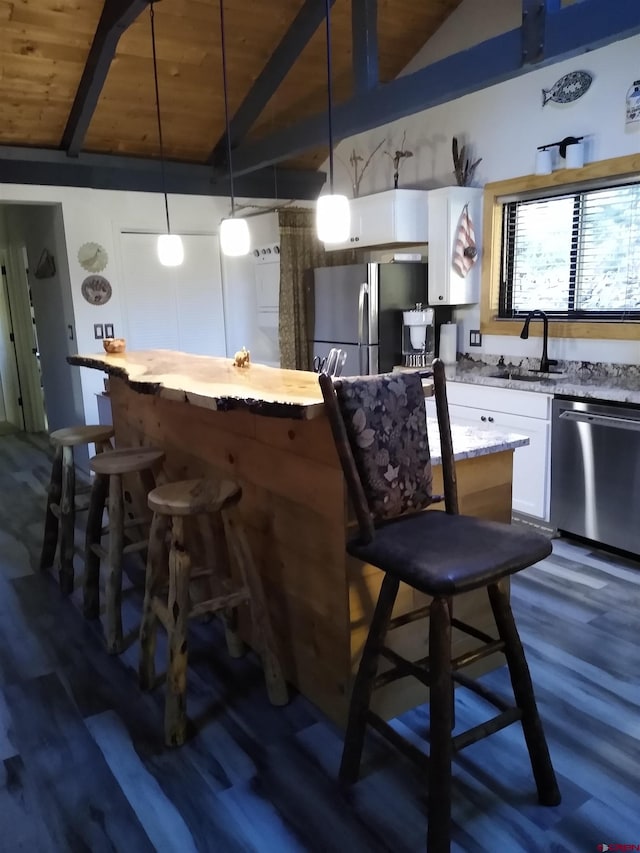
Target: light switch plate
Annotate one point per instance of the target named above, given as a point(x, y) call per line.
point(108, 330)
point(98, 331)
point(475, 338)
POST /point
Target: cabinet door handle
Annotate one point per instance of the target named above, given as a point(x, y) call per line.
point(482, 418)
point(490, 419)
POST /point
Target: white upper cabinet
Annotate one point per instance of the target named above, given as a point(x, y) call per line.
point(446, 206)
point(393, 216)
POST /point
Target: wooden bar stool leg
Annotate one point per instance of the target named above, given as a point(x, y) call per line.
point(91, 604)
point(276, 685)
point(363, 684)
point(440, 725)
point(546, 783)
point(149, 621)
point(114, 576)
point(217, 554)
point(175, 718)
point(67, 521)
point(50, 538)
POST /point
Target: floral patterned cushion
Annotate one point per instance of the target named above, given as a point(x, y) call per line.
point(387, 428)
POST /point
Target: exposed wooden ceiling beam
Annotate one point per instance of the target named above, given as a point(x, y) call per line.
point(364, 38)
point(568, 31)
point(116, 16)
point(284, 56)
point(52, 167)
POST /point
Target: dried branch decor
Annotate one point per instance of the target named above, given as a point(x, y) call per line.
point(356, 173)
point(462, 168)
point(397, 157)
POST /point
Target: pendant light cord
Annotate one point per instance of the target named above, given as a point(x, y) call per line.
point(329, 90)
point(155, 80)
point(226, 107)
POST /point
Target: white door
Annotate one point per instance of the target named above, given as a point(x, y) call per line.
point(178, 308)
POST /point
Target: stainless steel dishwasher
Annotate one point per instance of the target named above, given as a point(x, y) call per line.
point(595, 472)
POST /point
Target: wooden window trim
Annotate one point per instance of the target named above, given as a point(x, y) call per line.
point(616, 167)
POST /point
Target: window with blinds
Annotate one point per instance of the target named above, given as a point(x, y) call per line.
point(575, 256)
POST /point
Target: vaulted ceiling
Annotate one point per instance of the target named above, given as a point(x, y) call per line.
point(45, 45)
point(77, 104)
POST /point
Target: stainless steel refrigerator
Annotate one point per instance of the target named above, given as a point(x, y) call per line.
point(358, 308)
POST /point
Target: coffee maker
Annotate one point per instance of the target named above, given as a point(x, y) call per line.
point(421, 333)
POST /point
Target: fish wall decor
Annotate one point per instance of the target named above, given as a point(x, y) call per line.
point(568, 88)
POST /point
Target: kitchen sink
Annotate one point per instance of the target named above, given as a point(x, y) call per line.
point(521, 377)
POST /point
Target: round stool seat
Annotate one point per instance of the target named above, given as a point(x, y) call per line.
point(192, 497)
point(125, 461)
point(75, 435)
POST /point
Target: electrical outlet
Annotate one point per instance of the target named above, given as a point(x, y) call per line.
point(108, 330)
point(475, 338)
point(98, 331)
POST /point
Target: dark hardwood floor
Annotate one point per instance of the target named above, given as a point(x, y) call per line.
point(83, 767)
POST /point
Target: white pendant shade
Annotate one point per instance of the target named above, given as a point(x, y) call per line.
point(170, 250)
point(234, 237)
point(333, 218)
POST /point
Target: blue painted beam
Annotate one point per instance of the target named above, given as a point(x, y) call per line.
point(489, 62)
point(534, 13)
point(116, 16)
point(589, 25)
point(52, 167)
point(280, 63)
point(568, 31)
point(364, 39)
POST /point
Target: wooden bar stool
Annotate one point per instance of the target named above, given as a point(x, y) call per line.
point(109, 469)
point(216, 506)
point(380, 431)
point(62, 500)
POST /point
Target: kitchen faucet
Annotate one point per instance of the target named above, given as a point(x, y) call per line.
point(545, 361)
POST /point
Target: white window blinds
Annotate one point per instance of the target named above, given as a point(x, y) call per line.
point(576, 255)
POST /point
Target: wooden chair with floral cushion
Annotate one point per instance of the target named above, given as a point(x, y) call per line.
point(380, 431)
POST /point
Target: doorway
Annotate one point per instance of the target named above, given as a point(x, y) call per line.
point(40, 390)
point(20, 373)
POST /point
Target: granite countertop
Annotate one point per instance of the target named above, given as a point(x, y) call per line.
point(621, 384)
point(470, 442)
point(213, 383)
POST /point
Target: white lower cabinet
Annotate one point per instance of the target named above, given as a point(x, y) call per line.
point(521, 412)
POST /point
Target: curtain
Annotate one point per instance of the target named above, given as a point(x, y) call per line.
point(300, 253)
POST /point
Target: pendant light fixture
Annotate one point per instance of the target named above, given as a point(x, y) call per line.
point(170, 248)
point(333, 217)
point(234, 233)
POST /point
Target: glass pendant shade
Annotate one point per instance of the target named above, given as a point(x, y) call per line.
point(170, 250)
point(234, 237)
point(333, 218)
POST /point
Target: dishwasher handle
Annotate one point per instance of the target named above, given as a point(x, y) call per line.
point(601, 420)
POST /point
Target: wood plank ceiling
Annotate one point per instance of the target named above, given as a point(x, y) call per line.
point(45, 44)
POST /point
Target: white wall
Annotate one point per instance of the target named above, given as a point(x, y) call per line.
point(504, 124)
point(100, 216)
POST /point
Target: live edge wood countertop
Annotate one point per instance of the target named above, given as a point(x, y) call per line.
point(209, 419)
point(213, 383)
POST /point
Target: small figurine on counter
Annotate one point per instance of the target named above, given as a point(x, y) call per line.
point(242, 358)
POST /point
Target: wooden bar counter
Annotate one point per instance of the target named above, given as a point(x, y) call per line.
point(266, 428)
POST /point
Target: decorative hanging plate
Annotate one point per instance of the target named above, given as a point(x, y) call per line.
point(96, 289)
point(568, 88)
point(92, 257)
